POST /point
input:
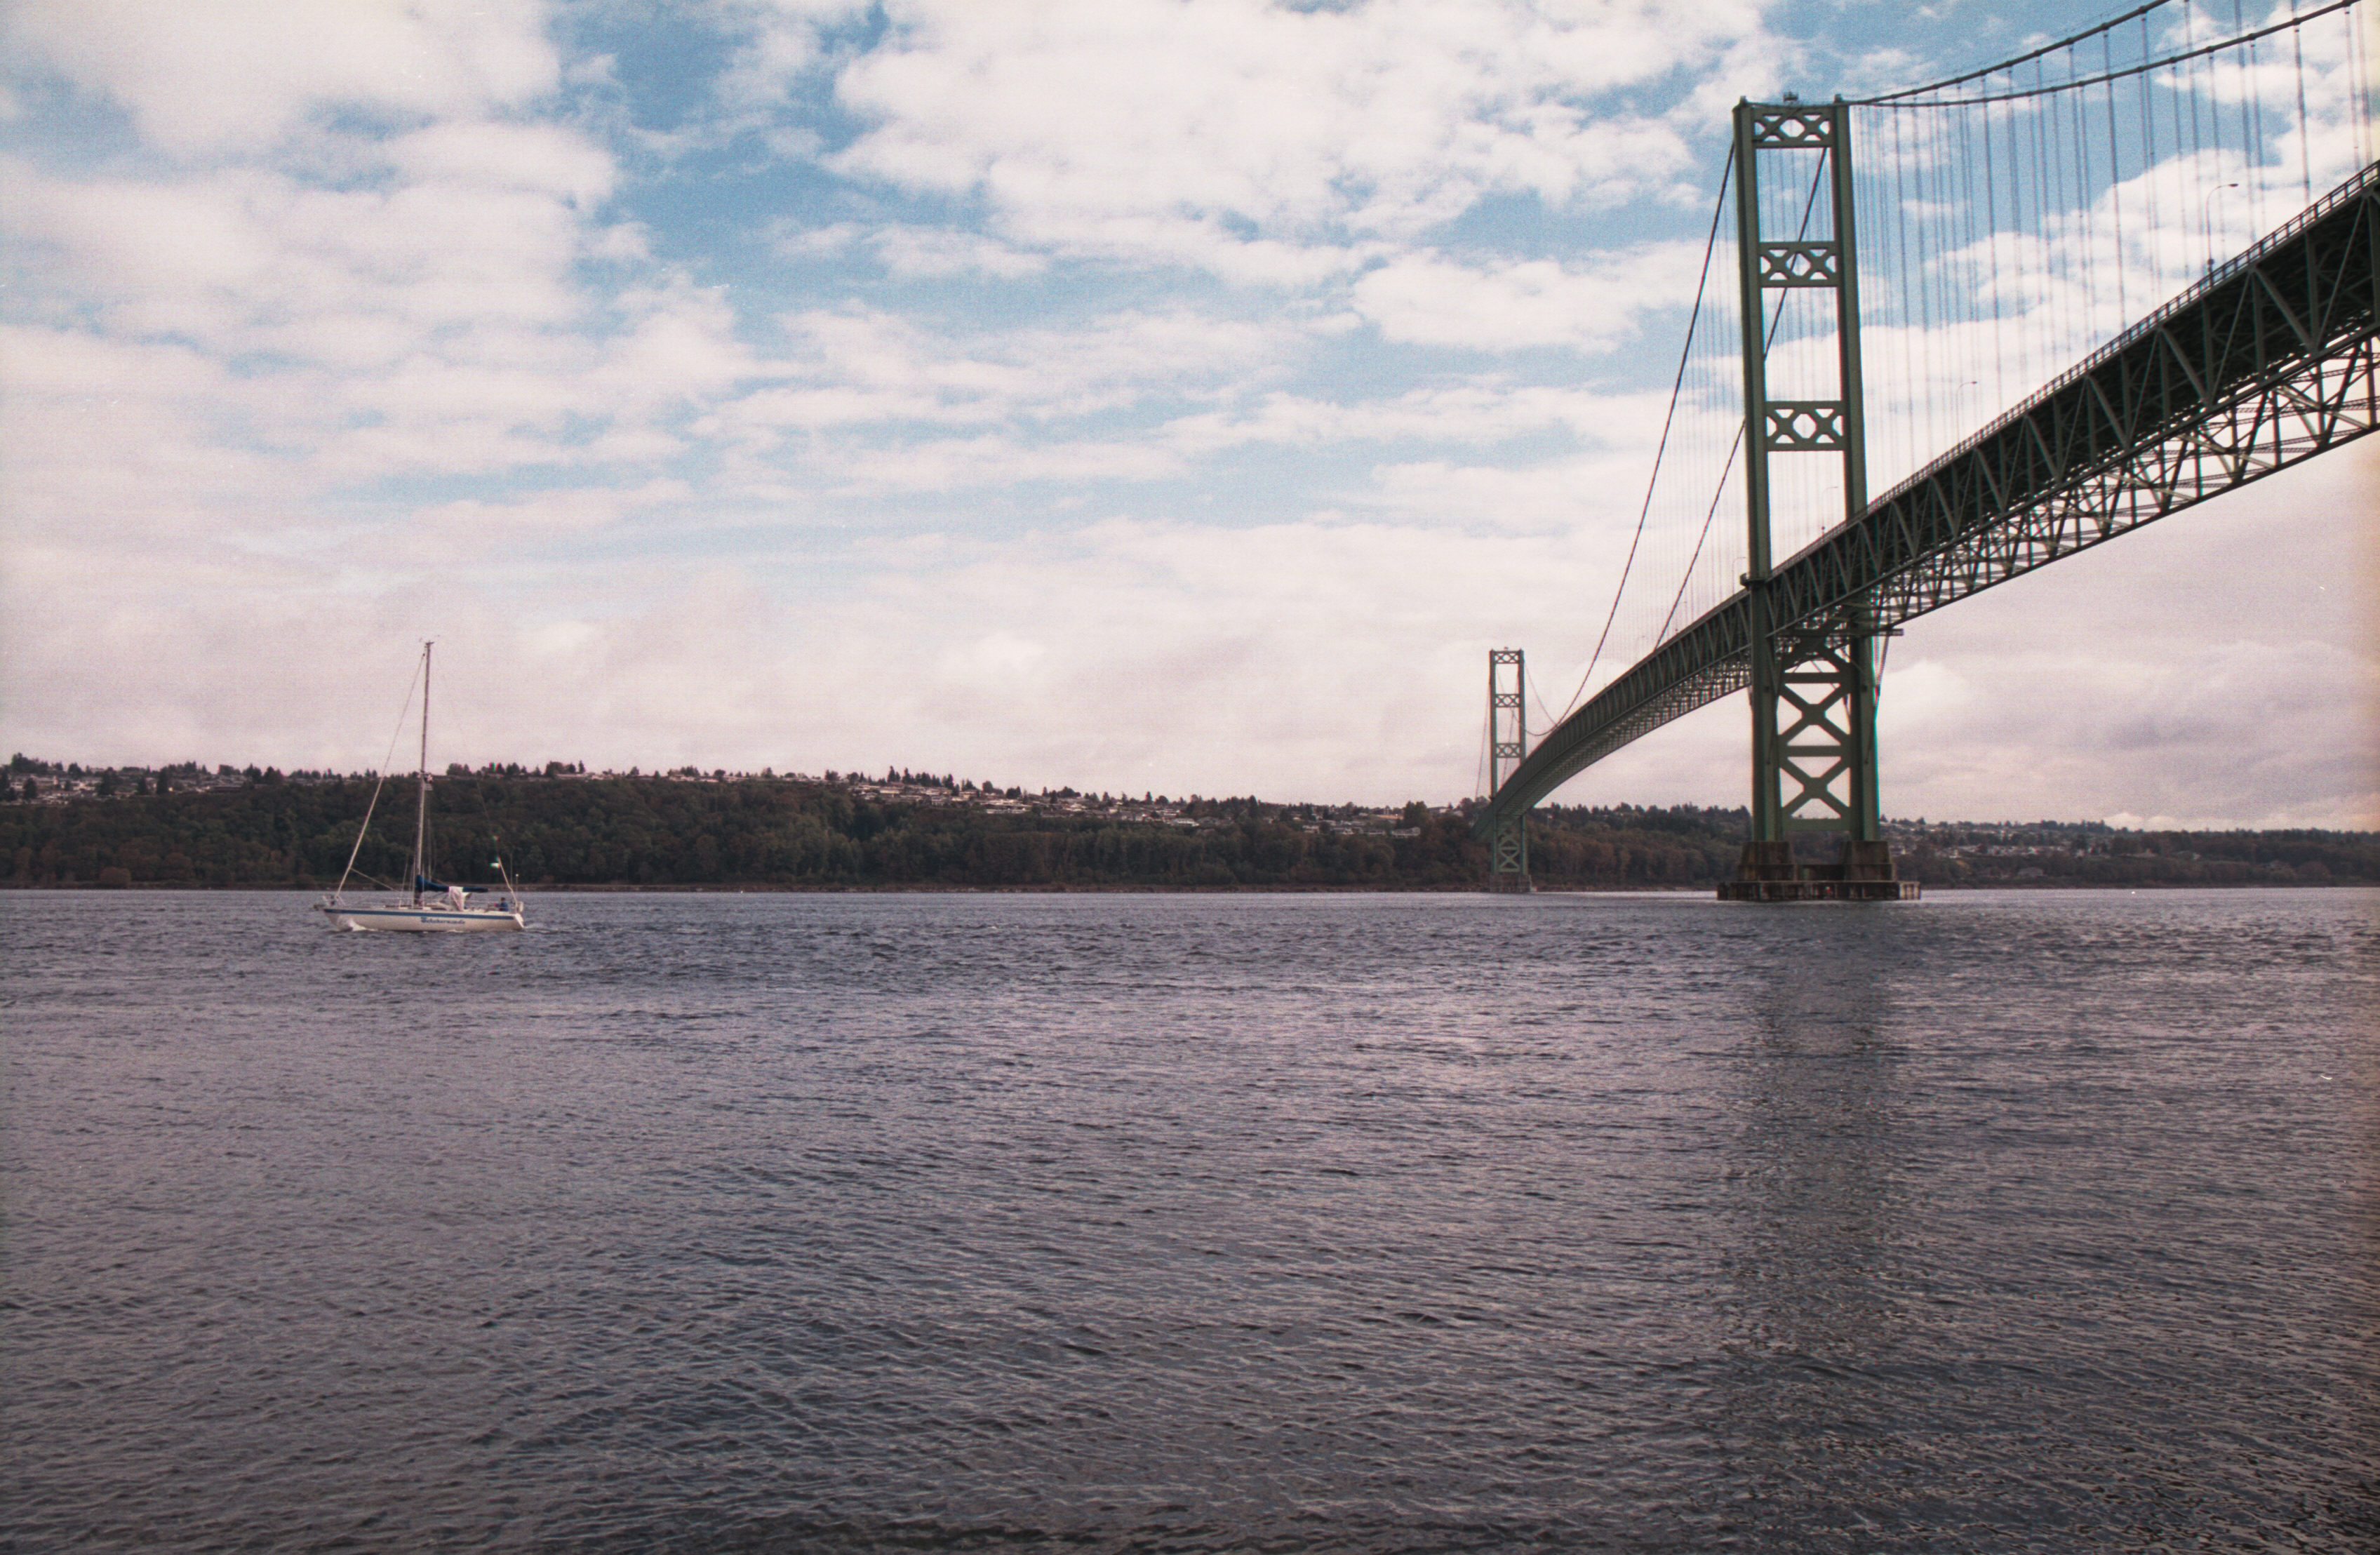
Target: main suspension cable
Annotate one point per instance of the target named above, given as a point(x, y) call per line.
point(2046, 49)
point(1897, 100)
point(1809, 206)
point(1710, 246)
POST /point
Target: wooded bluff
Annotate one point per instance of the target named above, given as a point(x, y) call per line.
point(561, 828)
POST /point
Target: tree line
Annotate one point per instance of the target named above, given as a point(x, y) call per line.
point(787, 834)
point(657, 831)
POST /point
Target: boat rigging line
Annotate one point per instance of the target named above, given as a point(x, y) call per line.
point(380, 779)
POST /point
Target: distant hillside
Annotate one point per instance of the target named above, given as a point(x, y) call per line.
point(570, 829)
point(70, 826)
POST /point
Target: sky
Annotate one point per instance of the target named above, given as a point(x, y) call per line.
point(1127, 394)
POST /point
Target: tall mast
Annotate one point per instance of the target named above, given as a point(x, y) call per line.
point(421, 805)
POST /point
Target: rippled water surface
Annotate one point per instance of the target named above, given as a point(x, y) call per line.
point(2000, 1222)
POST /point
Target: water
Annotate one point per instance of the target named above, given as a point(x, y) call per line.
point(2008, 1222)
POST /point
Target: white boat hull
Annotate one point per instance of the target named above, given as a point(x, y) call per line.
point(434, 920)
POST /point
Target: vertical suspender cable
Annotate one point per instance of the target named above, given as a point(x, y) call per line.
point(2358, 82)
point(2252, 125)
point(2209, 177)
point(2149, 162)
point(1946, 243)
point(2190, 90)
point(2305, 129)
point(1971, 294)
point(2022, 239)
point(1992, 240)
point(1768, 339)
point(2115, 181)
point(2031, 169)
point(1920, 335)
point(2083, 210)
point(1710, 246)
point(2047, 185)
point(1903, 281)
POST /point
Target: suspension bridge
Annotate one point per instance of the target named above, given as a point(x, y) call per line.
point(2015, 218)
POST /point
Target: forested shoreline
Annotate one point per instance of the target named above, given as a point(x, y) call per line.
point(785, 833)
point(565, 829)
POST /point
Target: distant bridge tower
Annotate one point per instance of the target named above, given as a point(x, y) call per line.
point(1508, 743)
point(1813, 687)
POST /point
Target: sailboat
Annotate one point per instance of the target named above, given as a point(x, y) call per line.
point(431, 904)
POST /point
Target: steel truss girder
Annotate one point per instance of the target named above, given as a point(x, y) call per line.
point(2263, 364)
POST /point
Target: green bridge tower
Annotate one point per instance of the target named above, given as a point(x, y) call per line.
point(1508, 744)
point(1813, 685)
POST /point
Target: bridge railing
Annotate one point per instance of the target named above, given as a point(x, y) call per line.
point(2360, 186)
point(2072, 466)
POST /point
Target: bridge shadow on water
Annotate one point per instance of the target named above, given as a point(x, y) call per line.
point(1982, 1281)
point(1815, 1213)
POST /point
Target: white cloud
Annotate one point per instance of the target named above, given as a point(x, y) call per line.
point(958, 464)
point(545, 159)
point(1474, 412)
point(1429, 299)
point(252, 262)
point(909, 250)
point(1189, 132)
point(1299, 660)
point(2217, 666)
point(471, 528)
point(201, 76)
point(121, 442)
point(1598, 494)
point(700, 444)
point(1125, 654)
point(855, 368)
point(436, 317)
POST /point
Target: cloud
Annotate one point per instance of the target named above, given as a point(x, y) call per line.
point(1055, 393)
point(909, 250)
point(859, 368)
point(778, 45)
point(2217, 666)
point(1307, 659)
point(120, 443)
point(1181, 656)
point(1193, 133)
point(958, 464)
point(436, 317)
point(1480, 411)
point(1428, 299)
point(479, 230)
point(205, 76)
point(470, 529)
point(540, 157)
point(1117, 653)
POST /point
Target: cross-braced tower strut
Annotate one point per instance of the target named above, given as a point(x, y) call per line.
point(1813, 684)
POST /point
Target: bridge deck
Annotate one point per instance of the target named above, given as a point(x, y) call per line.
point(2264, 363)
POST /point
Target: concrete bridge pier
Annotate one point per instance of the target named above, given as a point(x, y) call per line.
point(1767, 873)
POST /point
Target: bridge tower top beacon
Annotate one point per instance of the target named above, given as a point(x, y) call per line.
point(1814, 681)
